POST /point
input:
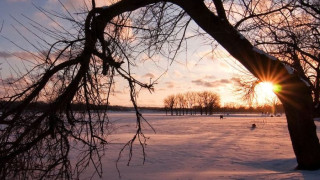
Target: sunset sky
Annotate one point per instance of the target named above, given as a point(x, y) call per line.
point(192, 70)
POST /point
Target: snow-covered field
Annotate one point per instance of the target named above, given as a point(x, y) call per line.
point(204, 147)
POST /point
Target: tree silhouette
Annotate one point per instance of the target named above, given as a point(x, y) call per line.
point(170, 103)
point(293, 37)
point(192, 101)
point(80, 67)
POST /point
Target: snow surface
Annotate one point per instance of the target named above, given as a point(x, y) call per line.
point(241, 36)
point(204, 147)
point(305, 82)
point(264, 53)
point(289, 69)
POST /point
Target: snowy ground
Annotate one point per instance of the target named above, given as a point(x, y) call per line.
point(205, 147)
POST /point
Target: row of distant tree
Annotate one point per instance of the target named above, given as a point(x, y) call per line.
point(179, 106)
point(270, 108)
point(192, 103)
point(77, 107)
point(207, 103)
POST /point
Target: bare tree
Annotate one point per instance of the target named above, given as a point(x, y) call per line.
point(181, 102)
point(77, 67)
point(200, 102)
point(191, 100)
point(71, 70)
point(170, 102)
point(294, 38)
point(213, 102)
point(210, 101)
point(207, 102)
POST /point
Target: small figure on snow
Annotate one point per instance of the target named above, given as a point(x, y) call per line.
point(253, 126)
point(221, 116)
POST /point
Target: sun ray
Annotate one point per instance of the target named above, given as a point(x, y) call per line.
point(265, 92)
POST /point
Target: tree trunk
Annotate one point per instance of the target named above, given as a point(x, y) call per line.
point(317, 95)
point(297, 102)
point(295, 95)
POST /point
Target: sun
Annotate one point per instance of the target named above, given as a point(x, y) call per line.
point(265, 88)
point(265, 92)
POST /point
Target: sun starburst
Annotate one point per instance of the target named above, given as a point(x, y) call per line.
point(265, 92)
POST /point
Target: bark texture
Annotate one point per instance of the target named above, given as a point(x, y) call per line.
point(295, 94)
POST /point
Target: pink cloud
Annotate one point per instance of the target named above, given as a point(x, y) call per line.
point(221, 82)
point(210, 77)
point(13, 1)
point(169, 84)
point(5, 54)
point(149, 75)
point(18, 54)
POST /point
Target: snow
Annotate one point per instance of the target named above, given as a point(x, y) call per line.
point(263, 53)
point(316, 119)
point(305, 82)
point(289, 68)
point(204, 147)
point(241, 36)
point(258, 50)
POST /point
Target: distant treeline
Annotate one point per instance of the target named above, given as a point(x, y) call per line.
point(39, 106)
point(207, 103)
point(267, 108)
point(178, 109)
point(192, 103)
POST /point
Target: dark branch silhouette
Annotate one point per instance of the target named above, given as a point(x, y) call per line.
point(79, 66)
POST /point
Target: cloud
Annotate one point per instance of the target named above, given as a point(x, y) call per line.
point(221, 82)
point(201, 82)
point(149, 75)
point(5, 54)
point(118, 92)
point(234, 79)
point(20, 54)
point(161, 89)
point(177, 74)
point(210, 77)
point(17, 1)
point(41, 17)
point(224, 81)
point(71, 4)
point(169, 84)
point(224, 65)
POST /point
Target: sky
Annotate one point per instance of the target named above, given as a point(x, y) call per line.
point(191, 71)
